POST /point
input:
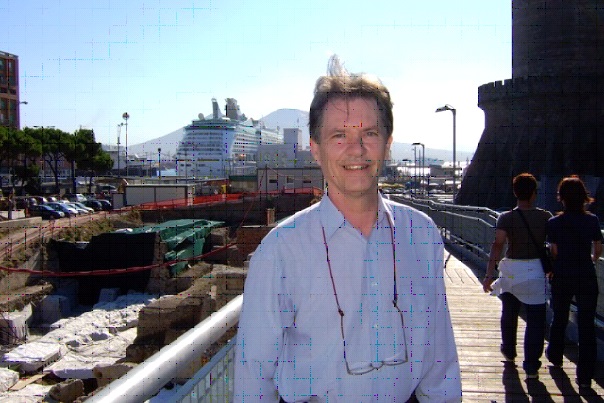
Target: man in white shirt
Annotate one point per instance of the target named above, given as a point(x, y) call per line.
point(345, 301)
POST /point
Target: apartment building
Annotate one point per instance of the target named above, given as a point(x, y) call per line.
point(9, 90)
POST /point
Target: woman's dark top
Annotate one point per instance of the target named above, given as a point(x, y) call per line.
point(520, 244)
point(573, 233)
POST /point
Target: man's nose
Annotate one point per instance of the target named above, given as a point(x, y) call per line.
point(355, 143)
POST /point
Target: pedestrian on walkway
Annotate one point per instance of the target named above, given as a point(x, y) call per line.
point(345, 301)
point(521, 279)
point(576, 244)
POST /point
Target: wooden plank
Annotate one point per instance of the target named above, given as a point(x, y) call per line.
point(23, 382)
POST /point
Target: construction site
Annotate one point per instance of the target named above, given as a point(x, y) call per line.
point(84, 301)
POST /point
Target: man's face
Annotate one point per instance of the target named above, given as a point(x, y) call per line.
point(353, 146)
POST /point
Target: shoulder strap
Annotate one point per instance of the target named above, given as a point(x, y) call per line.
point(528, 228)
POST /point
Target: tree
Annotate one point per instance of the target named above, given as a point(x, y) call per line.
point(90, 155)
point(5, 134)
point(55, 144)
point(28, 149)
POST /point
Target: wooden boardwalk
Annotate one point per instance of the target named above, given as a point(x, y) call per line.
point(485, 376)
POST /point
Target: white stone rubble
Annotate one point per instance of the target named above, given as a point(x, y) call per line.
point(78, 344)
point(8, 378)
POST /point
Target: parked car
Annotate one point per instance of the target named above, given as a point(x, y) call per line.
point(40, 199)
point(107, 188)
point(69, 211)
point(80, 206)
point(106, 204)
point(93, 204)
point(74, 197)
point(46, 212)
point(23, 202)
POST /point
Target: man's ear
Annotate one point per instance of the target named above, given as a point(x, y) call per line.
point(314, 150)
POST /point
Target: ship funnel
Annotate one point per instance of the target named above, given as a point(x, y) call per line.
point(232, 109)
point(215, 109)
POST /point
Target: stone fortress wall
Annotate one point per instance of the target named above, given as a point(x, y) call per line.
point(548, 118)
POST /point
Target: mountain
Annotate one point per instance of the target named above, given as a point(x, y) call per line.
point(168, 144)
point(289, 118)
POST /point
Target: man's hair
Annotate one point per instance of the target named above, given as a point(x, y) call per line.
point(572, 191)
point(338, 84)
point(524, 186)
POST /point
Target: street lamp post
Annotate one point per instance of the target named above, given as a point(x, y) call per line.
point(119, 130)
point(448, 107)
point(414, 170)
point(159, 162)
point(422, 172)
point(125, 116)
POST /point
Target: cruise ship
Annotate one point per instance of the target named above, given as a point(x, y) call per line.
point(223, 144)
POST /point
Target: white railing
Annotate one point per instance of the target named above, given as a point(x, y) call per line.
point(145, 380)
point(214, 382)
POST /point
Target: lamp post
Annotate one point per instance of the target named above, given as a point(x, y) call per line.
point(448, 107)
point(159, 162)
point(415, 170)
point(125, 116)
point(119, 131)
point(422, 173)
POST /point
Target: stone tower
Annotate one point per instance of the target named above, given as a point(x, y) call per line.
point(548, 119)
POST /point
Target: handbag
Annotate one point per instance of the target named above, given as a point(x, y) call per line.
point(544, 253)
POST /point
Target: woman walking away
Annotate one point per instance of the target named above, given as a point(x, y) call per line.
point(576, 244)
point(521, 279)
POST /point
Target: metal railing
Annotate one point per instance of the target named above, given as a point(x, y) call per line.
point(473, 227)
point(145, 380)
point(214, 382)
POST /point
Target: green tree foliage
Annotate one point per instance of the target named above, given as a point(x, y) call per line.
point(26, 152)
point(55, 145)
point(90, 156)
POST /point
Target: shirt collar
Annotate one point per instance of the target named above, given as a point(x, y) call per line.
point(332, 219)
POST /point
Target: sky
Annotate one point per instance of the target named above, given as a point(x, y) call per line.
point(85, 63)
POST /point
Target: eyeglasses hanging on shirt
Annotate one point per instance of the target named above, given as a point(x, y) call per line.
point(363, 367)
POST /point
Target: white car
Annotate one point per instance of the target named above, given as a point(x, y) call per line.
point(81, 206)
point(68, 210)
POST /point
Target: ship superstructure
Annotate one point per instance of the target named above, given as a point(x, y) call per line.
point(220, 145)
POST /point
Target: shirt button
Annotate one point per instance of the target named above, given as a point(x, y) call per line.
point(374, 284)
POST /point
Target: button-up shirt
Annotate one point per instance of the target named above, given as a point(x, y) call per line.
point(290, 342)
